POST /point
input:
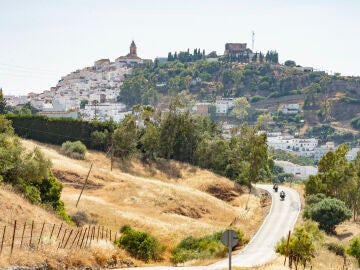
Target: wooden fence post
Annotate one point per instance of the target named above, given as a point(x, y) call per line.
point(57, 237)
point(68, 238)
point(13, 238)
point(62, 240)
point(110, 235)
point(76, 235)
point(22, 235)
point(82, 240)
point(52, 230)
point(87, 237)
point(77, 243)
point(31, 233)
point(42, 229)
point(115, 236)
point(98, 233)
point(2, 241)
point(102, 233)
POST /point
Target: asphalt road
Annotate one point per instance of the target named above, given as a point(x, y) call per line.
point(260, 250)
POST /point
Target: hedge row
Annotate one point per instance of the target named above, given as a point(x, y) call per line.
point(58, 130)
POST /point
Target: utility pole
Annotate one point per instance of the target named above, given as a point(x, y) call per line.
point(87, 177)
point(253, 40)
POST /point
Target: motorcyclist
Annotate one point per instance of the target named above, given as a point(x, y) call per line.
point(282, 195)
point(275, 187)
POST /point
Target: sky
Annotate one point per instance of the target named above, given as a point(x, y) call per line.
point(42, 40)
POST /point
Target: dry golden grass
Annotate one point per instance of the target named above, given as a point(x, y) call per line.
point(168, 199)
point(102, 254)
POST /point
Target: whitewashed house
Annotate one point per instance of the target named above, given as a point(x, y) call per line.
point(351, 155)
point(300, 172)
point(319, 152)
point(223, 105)
point(290, 108)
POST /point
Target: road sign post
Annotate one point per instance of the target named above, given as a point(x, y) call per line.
point(230, 238)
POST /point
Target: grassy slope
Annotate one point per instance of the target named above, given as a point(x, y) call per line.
point(168, 199)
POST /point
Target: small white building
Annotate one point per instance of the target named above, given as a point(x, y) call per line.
point(303, 147)
point(105, 112)
point(351, 155)
point(290, 108)
point(300, 172)
point(223, 105)
point(319, 152)
point(201, 108)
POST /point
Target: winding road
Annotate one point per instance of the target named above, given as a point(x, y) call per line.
point(260, 250)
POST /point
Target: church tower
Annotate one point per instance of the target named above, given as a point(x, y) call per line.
point(133, 49)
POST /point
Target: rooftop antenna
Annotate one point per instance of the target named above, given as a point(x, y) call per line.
point(253, 40)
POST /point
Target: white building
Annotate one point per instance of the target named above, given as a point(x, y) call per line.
point(301, 172)
point(303, 147)
point(105, 112)
point(319, 152)
point(223, 105)
point(290, 108)
point(351, 155)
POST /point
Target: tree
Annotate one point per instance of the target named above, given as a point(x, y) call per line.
point(329, 212)
point(2, 102)
point(132, 88)
point(248, 158)
point(264, 120)
point(125, 137)
point(241, 105)
point(83, 103)
point(95, 103)
point(290, 63)
point(178, 134)
point(336, 177)
point(354, 249)
point(301, 247)
point(150, 140)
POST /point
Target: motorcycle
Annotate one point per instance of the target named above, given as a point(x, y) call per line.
point(282, 195)
point(275, 188)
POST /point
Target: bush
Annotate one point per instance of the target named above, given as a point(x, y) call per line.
point(338, 249)
point(354, 249)
point(140, 244)
point(80, 218)
point(329, 212)
point(192, 248)
point(75, 149)
point(256, 98)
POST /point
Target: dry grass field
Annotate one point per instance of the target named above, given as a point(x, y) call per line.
point(168, 199)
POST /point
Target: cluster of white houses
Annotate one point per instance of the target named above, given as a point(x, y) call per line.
point(97, 86)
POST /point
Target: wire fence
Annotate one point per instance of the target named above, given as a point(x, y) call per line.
point(31, 235)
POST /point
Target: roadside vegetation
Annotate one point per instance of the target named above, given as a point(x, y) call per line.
point(206, 247)
point(28, 171)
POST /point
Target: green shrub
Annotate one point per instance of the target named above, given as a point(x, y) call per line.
point(256, 98)
point(74, 149)
point(274, 94)
point(338, 249)
point(329, 212)
point(354, 249)
point(140, 244)
point(192, 248)
point(32, 194)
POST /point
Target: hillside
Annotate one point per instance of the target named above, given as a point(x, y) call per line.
point(169, 199)
point(324, 98)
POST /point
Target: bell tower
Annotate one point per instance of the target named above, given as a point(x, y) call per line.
point(133, 49)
